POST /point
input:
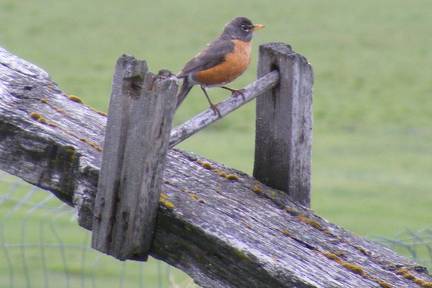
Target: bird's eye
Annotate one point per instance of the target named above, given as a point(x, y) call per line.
point(245, 27)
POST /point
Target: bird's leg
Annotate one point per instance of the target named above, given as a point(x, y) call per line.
point(212, 106)
point(235, 92)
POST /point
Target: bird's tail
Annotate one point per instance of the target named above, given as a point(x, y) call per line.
point(184, 90)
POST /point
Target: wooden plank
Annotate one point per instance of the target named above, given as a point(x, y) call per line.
point(136, 142)
point(284, 123)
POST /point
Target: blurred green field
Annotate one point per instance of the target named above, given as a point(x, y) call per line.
point(372, 152)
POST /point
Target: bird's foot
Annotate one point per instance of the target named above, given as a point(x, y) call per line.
point(235, 92)
point(239, 92)
point(215, 110)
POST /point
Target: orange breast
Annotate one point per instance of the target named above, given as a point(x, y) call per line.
point(234, 65)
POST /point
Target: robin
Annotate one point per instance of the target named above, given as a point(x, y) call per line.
point(222, 61)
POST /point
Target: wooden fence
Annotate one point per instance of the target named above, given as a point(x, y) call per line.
point(138, 133)
point(219, 225)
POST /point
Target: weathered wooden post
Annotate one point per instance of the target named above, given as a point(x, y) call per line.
point(136, 142)
point(284, 123)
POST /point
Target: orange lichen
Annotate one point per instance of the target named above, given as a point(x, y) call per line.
point(220, 172)
point(44, 100)
point(75, 99)
point(256, 188)
point(353, 267)
point(163, 200)
point(92, 144)
point(350, 266)
point(207, 165)
point(285, 232)
point(405, 273)
point(384, 284)
point(315, 224)
point(408, 275)
point(166, 203)
point(331, 256)
point(423, 283)
point(232, 177)
point(36, 116)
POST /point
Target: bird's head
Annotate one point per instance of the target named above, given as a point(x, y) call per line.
point(240, 28)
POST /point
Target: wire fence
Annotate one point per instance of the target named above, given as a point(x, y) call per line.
point(43, 246)
point(414, 244)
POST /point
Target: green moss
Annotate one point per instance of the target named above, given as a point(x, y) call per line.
point(70, 153)
point(240, 254)
point(63, 161)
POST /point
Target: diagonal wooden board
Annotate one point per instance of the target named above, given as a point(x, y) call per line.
point(219, 225)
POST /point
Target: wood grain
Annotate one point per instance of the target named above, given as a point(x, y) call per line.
point(221, 226)
point(283, 142)
point(136, 143)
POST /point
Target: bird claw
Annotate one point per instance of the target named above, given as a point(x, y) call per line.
point(239, 92)
point(216, 110)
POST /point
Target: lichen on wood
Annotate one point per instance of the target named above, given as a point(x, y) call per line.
point(237, 236)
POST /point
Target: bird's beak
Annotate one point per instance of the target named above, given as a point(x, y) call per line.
point(258, 27)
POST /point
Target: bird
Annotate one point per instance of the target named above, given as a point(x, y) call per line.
point(222, 61)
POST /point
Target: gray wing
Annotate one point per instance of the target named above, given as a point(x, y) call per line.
point(211, 56)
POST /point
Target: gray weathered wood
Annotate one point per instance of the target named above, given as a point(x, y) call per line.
point(227, 106)
point(222, 227)
point(136, 143)
point(284, 123)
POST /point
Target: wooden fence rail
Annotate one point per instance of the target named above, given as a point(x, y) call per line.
point(136, 142)
point(221, 226)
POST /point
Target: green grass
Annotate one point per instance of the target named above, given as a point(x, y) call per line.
point(372, 156)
